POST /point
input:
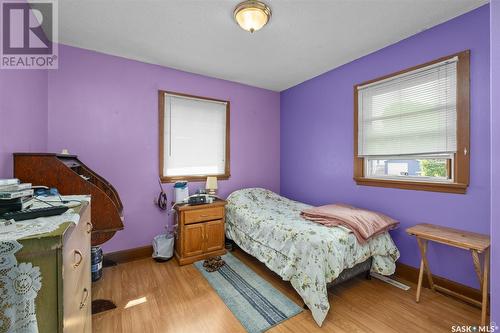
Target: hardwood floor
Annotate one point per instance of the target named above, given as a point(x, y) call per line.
point(164, 297)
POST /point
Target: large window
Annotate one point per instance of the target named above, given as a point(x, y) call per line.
point(194, 137)
point(412, 127)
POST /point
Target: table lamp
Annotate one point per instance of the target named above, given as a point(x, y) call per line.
point(211, 185)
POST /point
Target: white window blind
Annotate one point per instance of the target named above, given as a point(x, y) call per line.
point(195, 136)
point(409, 114)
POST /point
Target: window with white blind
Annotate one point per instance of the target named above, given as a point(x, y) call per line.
point(412, 127)
point(194, 137)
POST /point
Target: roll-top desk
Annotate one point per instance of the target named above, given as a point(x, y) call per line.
point(71, 176)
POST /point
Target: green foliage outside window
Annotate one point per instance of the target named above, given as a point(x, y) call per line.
point(433, 168)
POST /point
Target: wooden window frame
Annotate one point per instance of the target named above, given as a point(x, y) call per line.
point(461, 165)
point(161, 114)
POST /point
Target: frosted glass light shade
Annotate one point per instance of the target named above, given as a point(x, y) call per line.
point(252, 15)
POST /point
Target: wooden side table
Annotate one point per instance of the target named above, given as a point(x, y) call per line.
point(476, 243)
point(200, 231)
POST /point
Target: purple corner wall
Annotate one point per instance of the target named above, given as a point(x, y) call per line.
point(23, 114)
point(495, 159)
point(105, 110)
point(317, 142)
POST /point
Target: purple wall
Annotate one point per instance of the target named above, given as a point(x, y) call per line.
point(23, 114)
point(495, 158)
point(105, 109)
point(317, 142)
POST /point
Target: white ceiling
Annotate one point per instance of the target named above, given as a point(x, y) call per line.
point(303, 39)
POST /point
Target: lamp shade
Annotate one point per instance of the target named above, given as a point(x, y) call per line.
point(211, 183)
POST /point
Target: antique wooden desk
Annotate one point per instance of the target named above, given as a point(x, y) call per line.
point(476, 243)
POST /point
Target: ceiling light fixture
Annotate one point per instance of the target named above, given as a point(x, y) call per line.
point(252, 15)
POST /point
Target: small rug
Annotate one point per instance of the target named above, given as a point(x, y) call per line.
point(254, 301)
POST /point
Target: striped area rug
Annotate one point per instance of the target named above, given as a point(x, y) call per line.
point(254, 301)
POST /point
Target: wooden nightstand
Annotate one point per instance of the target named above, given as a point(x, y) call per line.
point(200, 231)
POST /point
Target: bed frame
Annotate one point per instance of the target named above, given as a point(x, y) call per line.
point(347, 274)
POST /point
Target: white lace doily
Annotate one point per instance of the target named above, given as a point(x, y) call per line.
point(28, 228)
point(20, 282)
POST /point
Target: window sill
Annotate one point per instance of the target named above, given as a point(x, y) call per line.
point(413, 185)
point(173, 179)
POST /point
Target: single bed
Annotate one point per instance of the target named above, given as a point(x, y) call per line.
point(307, 254)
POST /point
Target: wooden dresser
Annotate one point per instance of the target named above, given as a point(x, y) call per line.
point(63, 304)
point(200, 231)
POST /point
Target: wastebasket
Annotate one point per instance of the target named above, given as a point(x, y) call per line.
point(163, 247)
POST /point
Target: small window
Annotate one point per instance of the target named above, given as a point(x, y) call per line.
point(412, 127)
point(432, 168)
point(194, 137)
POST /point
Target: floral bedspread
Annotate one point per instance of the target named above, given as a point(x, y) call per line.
point(307, 254)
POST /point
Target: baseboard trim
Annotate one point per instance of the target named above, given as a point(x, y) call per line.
point(123, 256)
point(403, 271)
point(410, 274)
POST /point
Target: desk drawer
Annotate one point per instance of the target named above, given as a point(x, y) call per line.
point(76, 277)
point(200, 215)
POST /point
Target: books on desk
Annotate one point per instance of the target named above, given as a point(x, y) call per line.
point(11, 181)
point(9, 195)
point(14, 195)
point(15, 187)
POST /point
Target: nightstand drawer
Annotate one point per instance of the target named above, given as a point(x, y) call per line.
point(206, 214)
